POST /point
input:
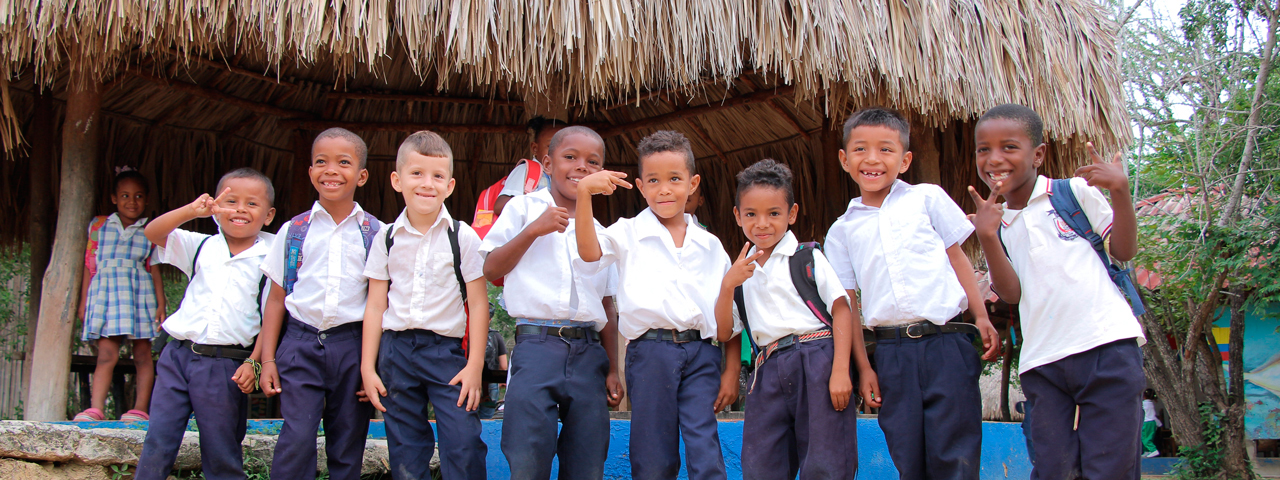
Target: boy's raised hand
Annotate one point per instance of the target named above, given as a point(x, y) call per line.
point(469, 379)
point(554, 219)
point(245, 378)
point(602, 182)
point(1103, 174)
point(373, 383)
point(869, 388)
point(989, 210)
point(743, 268)
point(207, 206)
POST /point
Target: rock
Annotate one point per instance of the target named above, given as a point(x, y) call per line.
point(109, 446)
point(11, 469)
point(38, 441)
point(18, 469)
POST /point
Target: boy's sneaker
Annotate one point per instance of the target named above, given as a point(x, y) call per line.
point(1151, 454)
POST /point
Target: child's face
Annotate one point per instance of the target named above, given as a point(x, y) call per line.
point(335, 169)
point(248, 197)
point(130, 200)
point(665, 183)
point(1005, 154)
point(576, 156)
point(425, 182)
point(874, 157)
point(695, 201)
point(764, 216)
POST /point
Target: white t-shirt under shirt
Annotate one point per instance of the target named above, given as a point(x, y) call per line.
point(896, 255)
point(774, 306)
point(1069, 304)
point(548, 282)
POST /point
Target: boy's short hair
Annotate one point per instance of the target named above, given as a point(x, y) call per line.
point(765, 173)
point(666, 141)
point(879, 117)
point(539, 123)
point(1029, 119)
point(574, 130)
point(362, 150)
point(246, 172)
point(426, 143)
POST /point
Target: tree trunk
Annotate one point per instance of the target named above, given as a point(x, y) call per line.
point(40, 216)
point(1231, 211)
point(1235, 460)
point(47, 399)
point(1166, 376)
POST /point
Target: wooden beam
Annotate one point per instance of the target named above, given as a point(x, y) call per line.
point(404, 97)
point(748, 99)
point(766, 144)
point(40, 216)
point(697, 129)
point(402, 127)
point(218, 96)
point(229, 67)
point(47, 398)
point(791, 119)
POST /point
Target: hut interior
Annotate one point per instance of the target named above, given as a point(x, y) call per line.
point(190, 90)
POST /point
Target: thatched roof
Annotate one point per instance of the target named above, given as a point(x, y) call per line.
point(195, 88)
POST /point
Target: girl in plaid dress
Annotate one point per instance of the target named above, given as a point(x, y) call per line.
point(118, 297)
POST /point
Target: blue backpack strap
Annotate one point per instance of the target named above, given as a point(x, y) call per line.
point(741, 301)
point(806, 282)
point(1068, 209)
point(369, 229)
point(295, 235)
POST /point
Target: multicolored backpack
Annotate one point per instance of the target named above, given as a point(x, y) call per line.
point(484, 217)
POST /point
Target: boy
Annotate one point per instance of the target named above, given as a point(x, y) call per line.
point(316, 267)
point(208, 368)
point(562, 317)
point(414, 322)
point(796, 419)
point(666, 308)
point(899, 246)
point(1081, 365)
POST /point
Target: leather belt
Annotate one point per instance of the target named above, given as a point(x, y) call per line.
point(562, 332)
point(672, 335)
point(793, 340)
point(217, 351)
point(923, 329)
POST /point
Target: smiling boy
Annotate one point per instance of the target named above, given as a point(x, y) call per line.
point(666, 308)
point(899, 246)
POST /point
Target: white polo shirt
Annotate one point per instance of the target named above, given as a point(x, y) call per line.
point(660, 285)
point(220, 306)
point(424, 293)
point(896, 255)
point(331, 289)
point(1069, 304)
point(774, 306)
point(548, 282)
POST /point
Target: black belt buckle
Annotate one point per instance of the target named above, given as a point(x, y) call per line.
point(675, 337)
point(784, 342)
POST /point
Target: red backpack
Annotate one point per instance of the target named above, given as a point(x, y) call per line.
point(484, 218)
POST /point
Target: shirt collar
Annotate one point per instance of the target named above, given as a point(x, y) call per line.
point(357, 212)
point(115, 219)
point(894, 189)
point(648, 225)
point(1043, 187)
point(261, 245)
point(403, 221)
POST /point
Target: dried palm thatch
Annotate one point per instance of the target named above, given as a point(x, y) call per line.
point(194, 88)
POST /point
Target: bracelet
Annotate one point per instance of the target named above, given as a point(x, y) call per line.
point(264, 362)
point(257, 372)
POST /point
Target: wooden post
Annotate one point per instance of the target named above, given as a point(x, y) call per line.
point(926, 159)
point(47, 398)
point(39, 217)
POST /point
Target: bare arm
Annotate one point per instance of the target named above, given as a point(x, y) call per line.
point(986, 224)
point(158, 230)
point(162, 303)
point(84, 290)
point(499, 204)
point(969, 282)
point(605, 182)
point(868, 383)
point(842, 333)
point(1113, 177)
point(269, 338)
point(374, 308)
point(502, 362)
point(609, 335)
point(478, 334)
point(742, 269)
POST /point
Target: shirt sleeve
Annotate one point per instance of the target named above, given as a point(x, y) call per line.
point(180, 249)
point(946, 216)
point(613, 241)
point(1095, 206)
point(611, 282)
point(507, 226)
point(499, 344)
point(375, 267)
point(830, 288)
point(514, 185)
point(273, 264)
point(838, 255)
point(469, 249)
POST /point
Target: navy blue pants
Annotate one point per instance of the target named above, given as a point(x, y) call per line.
point(1106, 383)
point(319, 377)
point(673, 388)
point(186, 383)
point(932, 413)
point(790, 425)
point(556, 379)
point(416, 367)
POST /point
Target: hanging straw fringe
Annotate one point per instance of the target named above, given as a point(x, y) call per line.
point(10, 128)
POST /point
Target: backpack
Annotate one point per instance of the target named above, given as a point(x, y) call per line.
point(457, 273)
point(91, 249)
point(1064, 203)
point(806, 283)
point(297, 234)
point(484, 217)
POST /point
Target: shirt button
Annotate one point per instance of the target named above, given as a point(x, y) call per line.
point(324, 336)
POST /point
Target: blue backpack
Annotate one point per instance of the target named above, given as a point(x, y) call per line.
point(297, 234)
point(1064, 202)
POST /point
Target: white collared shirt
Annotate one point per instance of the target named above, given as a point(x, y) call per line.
point(1069, 304)
point(424, 293)
point(548, 282)
point(331, 289)
point(660, 285)
point(774, 306)
point(221, 306)
point(896, 255)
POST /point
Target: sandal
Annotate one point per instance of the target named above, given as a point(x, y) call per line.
point(89, 415)
point(135, 416)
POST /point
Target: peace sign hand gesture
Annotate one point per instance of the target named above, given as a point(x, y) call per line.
point(986, 220)
point(1103, 174)
point(207, 206)
point(743, 268)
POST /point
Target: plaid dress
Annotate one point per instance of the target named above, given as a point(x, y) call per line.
point(122, 297)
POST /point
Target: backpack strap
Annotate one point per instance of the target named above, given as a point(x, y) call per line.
point(457, 273)
point(806, 282)
point(741, 301)
point(295, 236)
point(195, 259)
point(1068, 209)
point(532, 174)
point(368, 230)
